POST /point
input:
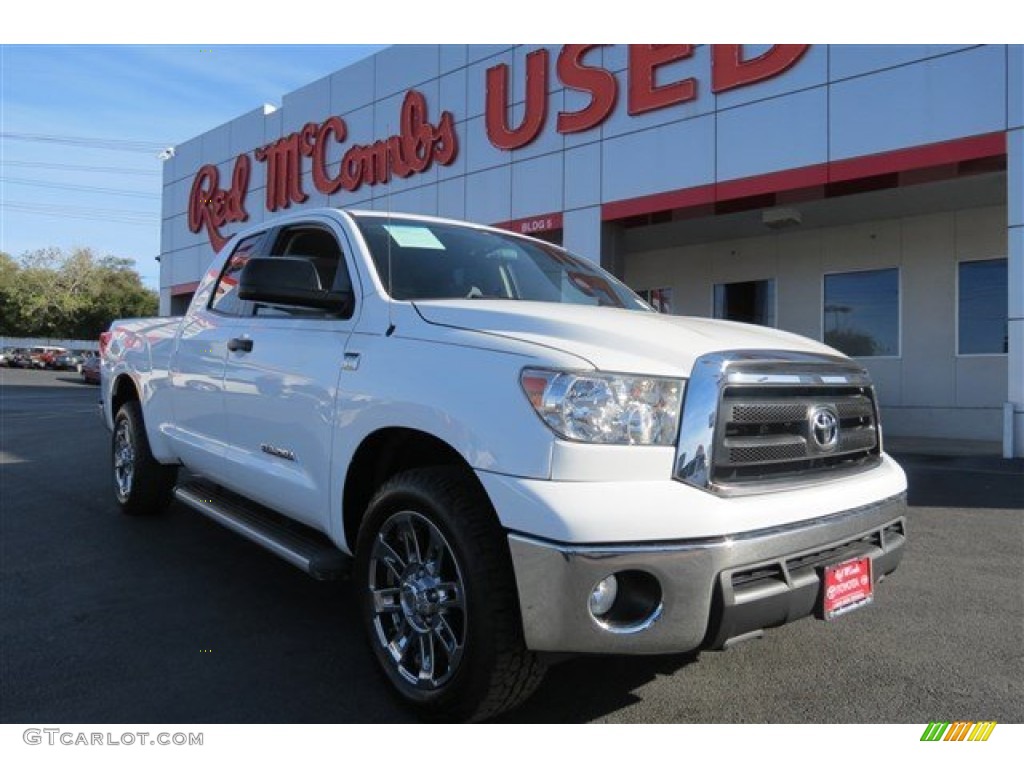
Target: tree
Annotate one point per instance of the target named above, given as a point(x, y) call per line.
point(117, 291)
point(52, 294)
point(8, 273)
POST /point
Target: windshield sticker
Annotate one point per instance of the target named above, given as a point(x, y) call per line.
point(413, 237)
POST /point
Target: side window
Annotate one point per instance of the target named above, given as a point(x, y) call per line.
point(862, 312)
point(225, 296)
point(320, 247)
point(982, 317)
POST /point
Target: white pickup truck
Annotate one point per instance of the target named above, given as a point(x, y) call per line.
point(505, 448)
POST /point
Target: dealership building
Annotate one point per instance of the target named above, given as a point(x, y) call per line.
point(868, 196)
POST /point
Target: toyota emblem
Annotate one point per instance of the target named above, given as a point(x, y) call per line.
point(825, 428)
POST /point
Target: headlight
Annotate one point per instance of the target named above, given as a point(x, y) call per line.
point(606, 407)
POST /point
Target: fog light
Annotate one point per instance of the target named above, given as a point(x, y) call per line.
point(603, 597)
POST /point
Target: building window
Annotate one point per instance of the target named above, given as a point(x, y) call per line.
point(179, 303)
point(749, 302)
point(982, 308)
point(862, 313)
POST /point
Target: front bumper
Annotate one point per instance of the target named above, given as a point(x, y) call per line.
point(711, 590)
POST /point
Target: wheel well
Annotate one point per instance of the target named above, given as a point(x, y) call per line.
point(124, 392)
point(382, 455)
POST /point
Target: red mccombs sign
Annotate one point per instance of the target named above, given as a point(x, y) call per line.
point(416, 147)
point(419, 143)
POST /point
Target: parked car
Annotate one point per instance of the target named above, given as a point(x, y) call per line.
point(507, 448)
point(83, 357)
point(44, 356)
point(68, 361)
point(91, 370)
point(19, 358)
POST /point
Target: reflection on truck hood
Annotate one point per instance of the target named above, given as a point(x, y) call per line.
point(612, 339)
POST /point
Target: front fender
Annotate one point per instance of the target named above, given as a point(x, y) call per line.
point(469, 398)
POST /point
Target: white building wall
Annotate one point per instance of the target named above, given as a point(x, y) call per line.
point(837, 102)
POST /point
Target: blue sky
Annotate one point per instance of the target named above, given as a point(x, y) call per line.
point(159, 95)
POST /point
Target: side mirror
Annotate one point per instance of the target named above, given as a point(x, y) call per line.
point(290, 281)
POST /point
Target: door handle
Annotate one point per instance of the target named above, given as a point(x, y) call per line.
point(240, 345)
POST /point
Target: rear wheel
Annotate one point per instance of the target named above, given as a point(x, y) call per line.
point(438, 597)
point(142, 485)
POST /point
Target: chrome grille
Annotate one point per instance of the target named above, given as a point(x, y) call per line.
point(758, 451)
point(761, 426)
point(766, 413)
point(749, 421)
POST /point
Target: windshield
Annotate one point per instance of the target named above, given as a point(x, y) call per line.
point(428, 260)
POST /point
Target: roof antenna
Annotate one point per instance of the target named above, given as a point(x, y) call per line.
point(387, 229)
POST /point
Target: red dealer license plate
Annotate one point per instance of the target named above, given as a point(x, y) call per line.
point(848, 586)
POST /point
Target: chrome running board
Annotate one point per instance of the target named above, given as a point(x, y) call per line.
point(303, 547)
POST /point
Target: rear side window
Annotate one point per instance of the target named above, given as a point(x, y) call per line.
point(225, 296)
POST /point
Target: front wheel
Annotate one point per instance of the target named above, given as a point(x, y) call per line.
point(439, 599)
point(142, 485)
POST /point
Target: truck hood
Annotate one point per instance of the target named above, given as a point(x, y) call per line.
point(613, 339)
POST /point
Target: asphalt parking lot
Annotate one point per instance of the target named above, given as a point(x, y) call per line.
point(107, 619)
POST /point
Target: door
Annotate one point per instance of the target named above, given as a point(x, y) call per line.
point(280, 390)
point(197, 368)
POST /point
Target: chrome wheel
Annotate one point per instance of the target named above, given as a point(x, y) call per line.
point(124, 460)
point(418, 600)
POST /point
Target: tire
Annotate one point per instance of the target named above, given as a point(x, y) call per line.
point(438, 598)
point(142, 485)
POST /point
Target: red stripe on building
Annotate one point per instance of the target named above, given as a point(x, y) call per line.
point(943, 153)
point(957, 151)
point(663, 201)
point(781, 181)
point(183, 288)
